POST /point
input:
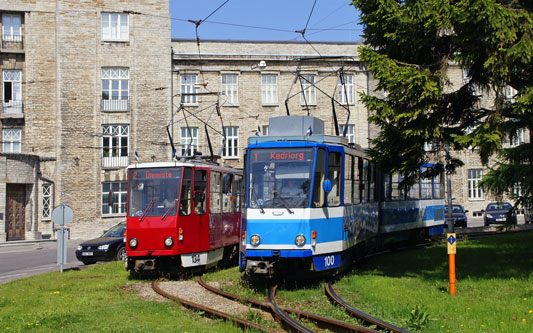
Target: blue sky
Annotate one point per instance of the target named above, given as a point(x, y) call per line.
point(331, 20)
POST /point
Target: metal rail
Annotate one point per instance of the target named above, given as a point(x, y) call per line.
point(292, 323)
point(359, 314)
point(239, 321)
point(321, 321)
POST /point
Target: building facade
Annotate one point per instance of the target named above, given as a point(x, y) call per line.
point(91, 87)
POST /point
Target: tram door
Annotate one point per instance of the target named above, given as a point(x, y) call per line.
point(15, 216)
point(188, 223)
point(200, 206)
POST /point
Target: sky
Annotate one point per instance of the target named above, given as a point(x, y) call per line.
point(272, 20)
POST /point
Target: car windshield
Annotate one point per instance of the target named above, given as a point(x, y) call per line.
point(116, 231)
point(153, 192)
point(499, 206)
point(280, 178)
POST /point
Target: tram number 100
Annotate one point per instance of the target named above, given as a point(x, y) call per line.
point(326, 262)
point(329, 261)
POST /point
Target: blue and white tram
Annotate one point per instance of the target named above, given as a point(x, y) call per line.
point(312, 201)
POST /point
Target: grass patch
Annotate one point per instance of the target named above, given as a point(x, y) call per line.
point(408, 289)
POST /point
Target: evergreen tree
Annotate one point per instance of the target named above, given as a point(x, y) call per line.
point(409, 46)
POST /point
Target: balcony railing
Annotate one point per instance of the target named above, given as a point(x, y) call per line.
point(115, 104)
point(12, 107)
point(10, 41)
point(115, 162)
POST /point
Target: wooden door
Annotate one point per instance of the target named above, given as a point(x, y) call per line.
point(15, 213)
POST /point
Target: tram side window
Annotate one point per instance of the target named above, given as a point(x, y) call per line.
point(186, 193)
point(227, 204)
point(372, 182)
point(320, 176)
point(215, 190)
point(236, 191)
point(348, 179)
point(426, 188)
point(396, 190)
point(438, 187)
point(200, 186)
point(357, 166)
point(334, 174)
point(365, 187)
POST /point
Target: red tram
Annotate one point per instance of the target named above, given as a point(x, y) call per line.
point(182, 215)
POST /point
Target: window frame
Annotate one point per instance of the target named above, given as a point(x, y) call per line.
point(232, 143)
point(474, 176)
point(119, 189)
point(350, 91)
point(350, 132)
point(187, 87)
point(121, 32)
point(11, 35)
point(9, 140)
point(47, 200)
point(308, 82)
point(109, 132)
point(115, 78)
point(230, 89)
point(269, 90)
point(184, 140)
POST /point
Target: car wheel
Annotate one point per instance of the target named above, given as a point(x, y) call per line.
point(88, 262)
point(121, 254)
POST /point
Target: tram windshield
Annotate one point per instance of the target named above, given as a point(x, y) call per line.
point(280, 178)
point(153, 192)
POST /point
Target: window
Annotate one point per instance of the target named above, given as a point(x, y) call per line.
point(510, 92)
point(114, 197)
point(308, 89)
point(115, 89)
point(230, 88)
point(115, 27)
point(350, 132)
point(346, 90)
point(47, 203)
point(199, 194)
point(189, 141)
point(188, 86)
point(115, 146)
point(474, 177)
point(269, 89)
point(334, 174)
point(12, 102)
point(348, 179)
point(215, 203)
point(231, 145)
point(11, 29)
point(518, 138)
point(264, 130)
point(12, 139)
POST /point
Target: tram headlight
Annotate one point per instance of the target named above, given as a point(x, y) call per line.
point(169, 241)
point(255, 240)
point(300, 240)
point(133, 242)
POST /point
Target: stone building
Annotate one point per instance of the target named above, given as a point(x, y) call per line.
point(85, 84)
point(90, 85)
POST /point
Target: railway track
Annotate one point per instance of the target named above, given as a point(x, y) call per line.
point(285, 316)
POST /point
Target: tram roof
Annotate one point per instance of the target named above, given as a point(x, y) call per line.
point(172, 164)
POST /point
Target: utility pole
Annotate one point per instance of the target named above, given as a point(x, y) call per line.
point(451, 236)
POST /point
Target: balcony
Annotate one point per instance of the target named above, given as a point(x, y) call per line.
point(10, 41)
point(115, 162)
point(12, 108)
point(122, 104)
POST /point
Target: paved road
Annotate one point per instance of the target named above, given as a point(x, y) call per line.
point(24, 260)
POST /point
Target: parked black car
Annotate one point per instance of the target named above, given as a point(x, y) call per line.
point(496, 212)
point(458, 215)
point(110, 246)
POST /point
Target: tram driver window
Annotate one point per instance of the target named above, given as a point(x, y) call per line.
point(186, 193)
point(320, 176)
point(334, 174)
point(200, 186)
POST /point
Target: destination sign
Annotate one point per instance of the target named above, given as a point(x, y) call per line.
point(296, 154)
point(163, 173)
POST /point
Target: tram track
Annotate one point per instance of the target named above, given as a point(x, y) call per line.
point(284, 315)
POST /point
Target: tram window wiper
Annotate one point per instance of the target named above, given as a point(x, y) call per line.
point(257, 201)
point(169, 209)
point(276, 195)
point(147, 210)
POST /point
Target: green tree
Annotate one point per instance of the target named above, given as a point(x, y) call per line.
point(409, 46)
